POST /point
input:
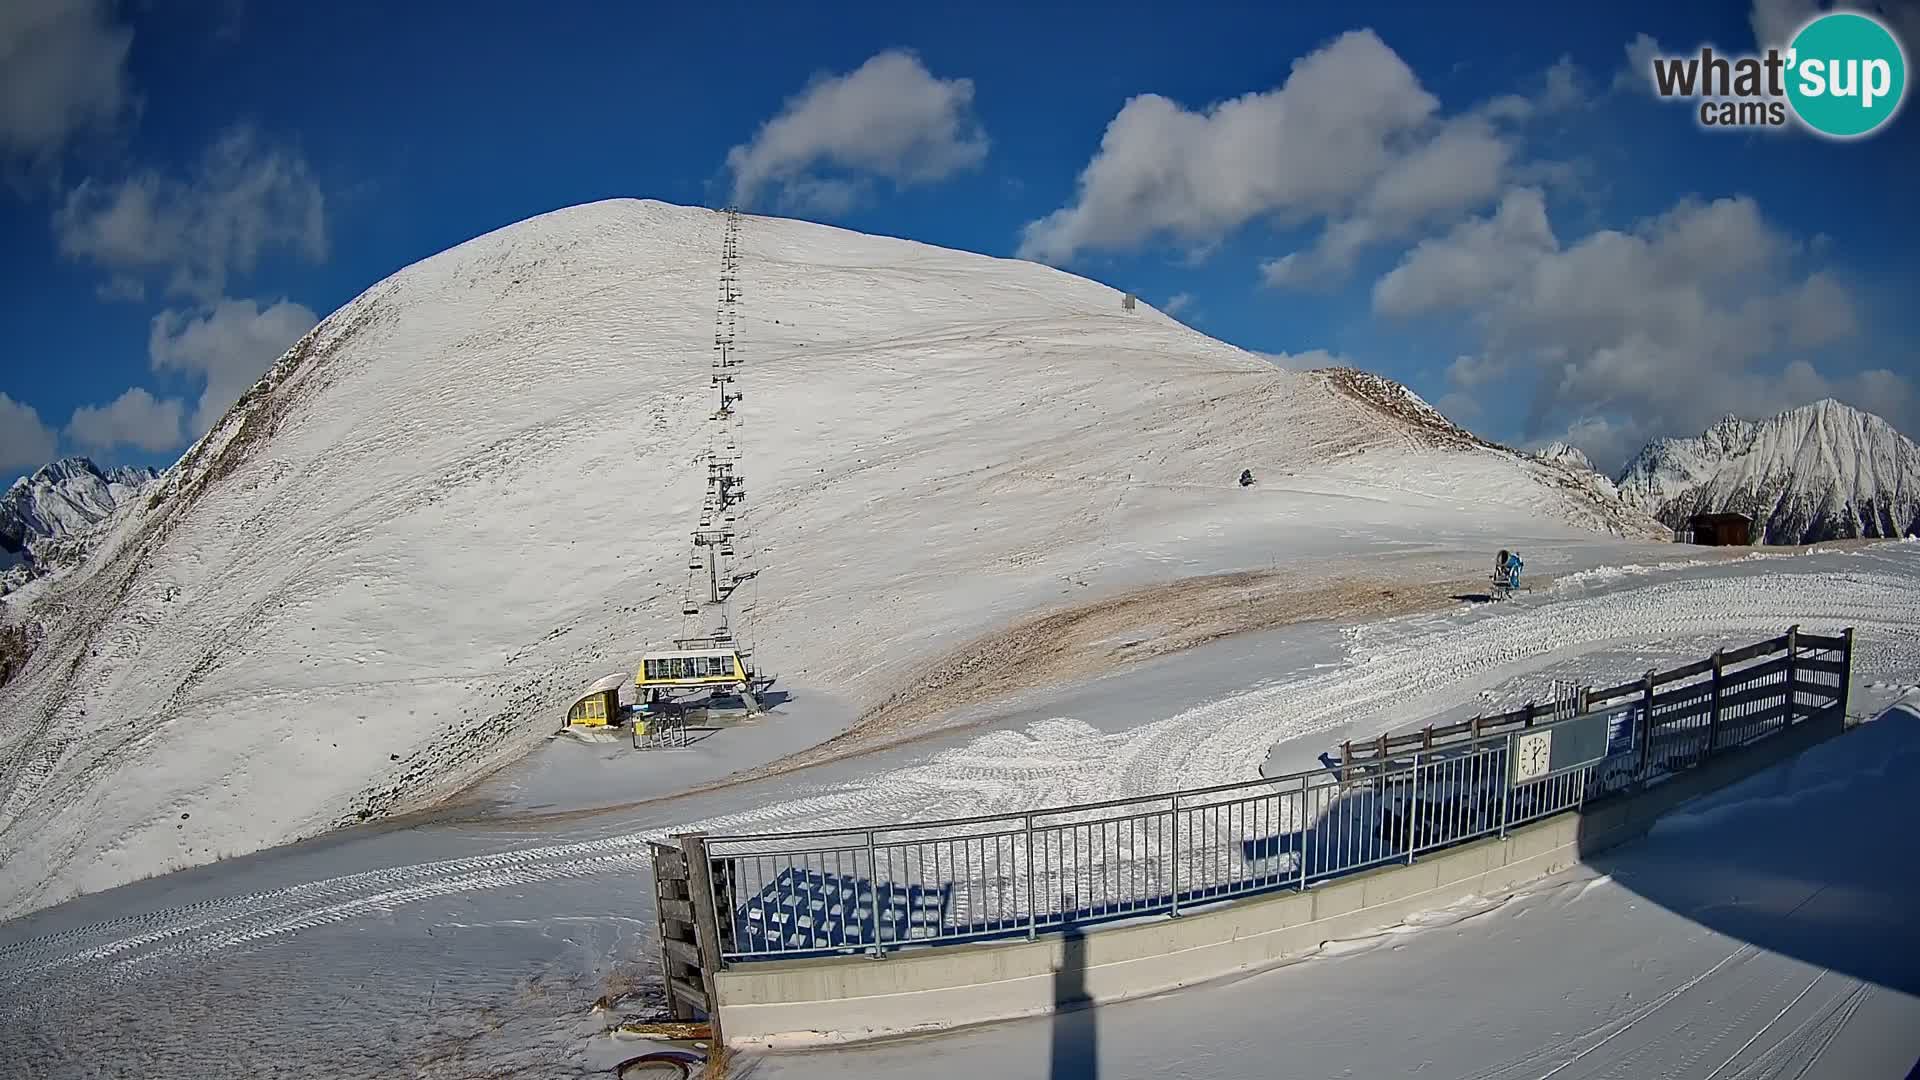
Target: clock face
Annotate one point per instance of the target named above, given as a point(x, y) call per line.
point(1532, 754)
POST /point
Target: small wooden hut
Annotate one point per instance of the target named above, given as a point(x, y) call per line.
point(1722, 530)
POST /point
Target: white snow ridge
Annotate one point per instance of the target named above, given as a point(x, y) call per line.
point(1824, 471)
point(464, 494)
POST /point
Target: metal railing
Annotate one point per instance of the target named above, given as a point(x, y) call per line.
point(874, 890)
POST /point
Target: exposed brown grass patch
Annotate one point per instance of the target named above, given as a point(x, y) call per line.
point(1065, 646)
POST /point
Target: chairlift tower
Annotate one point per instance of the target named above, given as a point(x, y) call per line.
point(717, 542)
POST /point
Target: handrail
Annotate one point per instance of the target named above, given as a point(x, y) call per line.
point(827, 892)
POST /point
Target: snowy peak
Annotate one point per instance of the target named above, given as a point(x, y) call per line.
point(1822, 471)
point(64, 498)
point(1565, 454)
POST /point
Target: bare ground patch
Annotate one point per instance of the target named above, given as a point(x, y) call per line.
point(1062, 647)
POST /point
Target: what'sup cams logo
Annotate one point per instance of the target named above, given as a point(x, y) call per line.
point(1842, 76)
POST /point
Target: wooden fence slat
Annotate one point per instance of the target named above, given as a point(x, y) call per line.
point(677, 910)
point(1818, 641)
point(1698, 667)
point(1828, 667)
point(1758, 648)
point(689, 993)
point(1772, 669)
point(1751, 694)
point(1672, 716)
point(1716, 702)
point(1629, 689)
point(670, 864)
point(684, 951)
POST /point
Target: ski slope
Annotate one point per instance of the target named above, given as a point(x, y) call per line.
point(477, 945)
point(466, 495)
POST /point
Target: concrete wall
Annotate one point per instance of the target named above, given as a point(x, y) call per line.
point(841, 999)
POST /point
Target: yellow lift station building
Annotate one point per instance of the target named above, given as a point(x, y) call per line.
point(599, 706)
point(691, 669)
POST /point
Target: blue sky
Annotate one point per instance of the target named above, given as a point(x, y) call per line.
point(1477, 201)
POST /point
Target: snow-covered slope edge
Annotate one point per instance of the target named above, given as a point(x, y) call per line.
point(1824, 471)
point(466, 493)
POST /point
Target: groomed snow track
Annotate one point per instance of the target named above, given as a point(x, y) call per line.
point(1433, 660)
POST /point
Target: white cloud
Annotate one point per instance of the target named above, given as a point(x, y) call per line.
point(889, 118)
point(1774, 21)
point(1475, 260)
point(1177, 303)
point(822, 197)
point(1458, 170)
point(1351, 140)
point(1468, 372)
point(230, 344)
point(1878, 390)
point(242, 200)
point(1657, 329)
point(1301, 151)
point(135, 418)
point(1818, 312)
point(24, 440)
point(1609, 444)
point(1461, 408)
point(1565, 87)
point(1559, 89)
point(1638, 74)
point(63, 70)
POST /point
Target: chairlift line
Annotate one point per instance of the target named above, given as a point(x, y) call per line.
point(711, 623)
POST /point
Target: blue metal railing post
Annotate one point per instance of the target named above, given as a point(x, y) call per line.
point(873, 880)
point(1174, 868)
point(1033, 904)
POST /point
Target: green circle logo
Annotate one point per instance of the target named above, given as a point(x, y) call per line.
point(1846, 74)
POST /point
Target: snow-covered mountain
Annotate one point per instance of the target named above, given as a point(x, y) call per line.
point(50, 518)
point(63, 498)
point(1574, 463)
point(1820, 472)
point(1565, 454)
point(467, 494)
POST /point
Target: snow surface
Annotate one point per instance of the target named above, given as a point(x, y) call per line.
point(1445, 662)
point(466, 494)
point(1819, 472)
point(475, 945)
point(1763, 931)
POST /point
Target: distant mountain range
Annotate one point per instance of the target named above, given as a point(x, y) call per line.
point(1824, 471)
point(60, 501)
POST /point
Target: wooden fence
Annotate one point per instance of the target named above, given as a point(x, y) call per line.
point(1702, 689)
